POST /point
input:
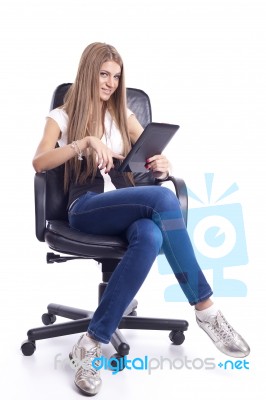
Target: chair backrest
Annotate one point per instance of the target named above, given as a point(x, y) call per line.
point(50, 198)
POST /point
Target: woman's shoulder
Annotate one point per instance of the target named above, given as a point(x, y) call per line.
point(58, 112)
point(60, 116)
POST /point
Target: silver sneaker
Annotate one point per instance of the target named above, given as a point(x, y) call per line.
point(225, 338)
point(87, 378)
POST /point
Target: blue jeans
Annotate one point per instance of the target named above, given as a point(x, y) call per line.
point(150, 219)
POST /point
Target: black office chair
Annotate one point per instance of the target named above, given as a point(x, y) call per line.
point(52, 227)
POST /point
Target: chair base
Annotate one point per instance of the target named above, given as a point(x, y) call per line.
point(81, 319)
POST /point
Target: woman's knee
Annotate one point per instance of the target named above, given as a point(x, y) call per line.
point(166, 200)
point(147, 232)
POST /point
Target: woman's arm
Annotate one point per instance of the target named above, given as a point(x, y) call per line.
point(134, 128)
point(48, 157)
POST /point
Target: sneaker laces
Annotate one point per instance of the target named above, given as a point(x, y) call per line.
point(222, 328)
point(87, 357)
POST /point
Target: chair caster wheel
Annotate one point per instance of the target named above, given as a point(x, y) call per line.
point(48, 319)
point(28, 348)
point(117, 362)
point(177, 337)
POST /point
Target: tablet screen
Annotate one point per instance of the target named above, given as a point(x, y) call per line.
point(151, 142)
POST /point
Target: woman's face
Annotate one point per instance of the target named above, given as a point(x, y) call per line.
point(109, 79)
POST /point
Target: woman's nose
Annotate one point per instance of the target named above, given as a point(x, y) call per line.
point(110, 81)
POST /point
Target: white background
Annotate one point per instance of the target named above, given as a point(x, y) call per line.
point(203, 64)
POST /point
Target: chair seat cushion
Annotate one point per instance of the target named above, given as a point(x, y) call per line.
point(60, 237)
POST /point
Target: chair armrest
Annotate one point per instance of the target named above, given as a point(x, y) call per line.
point(181, 192)
point(40, 204)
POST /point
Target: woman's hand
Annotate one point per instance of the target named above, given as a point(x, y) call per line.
point(159, 166)
point(104, 155)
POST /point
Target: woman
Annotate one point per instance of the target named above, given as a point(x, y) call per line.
point(95, 130)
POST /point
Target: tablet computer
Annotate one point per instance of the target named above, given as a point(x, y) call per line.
point(151, 142)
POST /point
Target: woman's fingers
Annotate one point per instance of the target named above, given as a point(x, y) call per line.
point(106, 160)
point(158, 163)
point(110, 162)
point(118, 156)
point(104, 155)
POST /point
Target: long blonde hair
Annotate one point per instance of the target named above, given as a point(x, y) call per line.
point(85, 112)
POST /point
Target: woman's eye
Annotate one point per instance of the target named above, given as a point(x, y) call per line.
point(104, 74)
